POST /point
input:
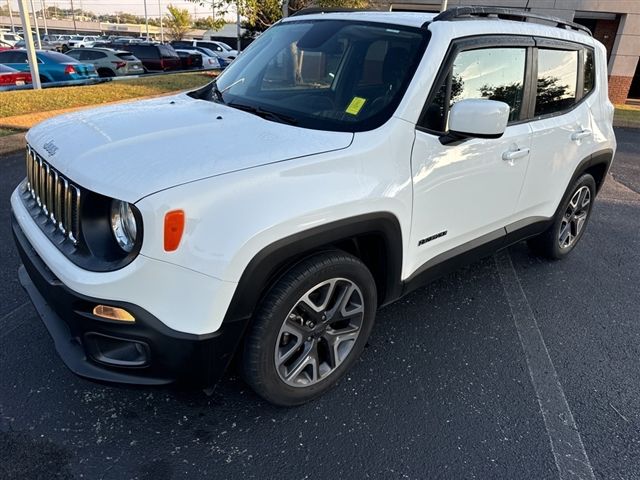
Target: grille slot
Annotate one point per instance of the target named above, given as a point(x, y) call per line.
point(55, 196)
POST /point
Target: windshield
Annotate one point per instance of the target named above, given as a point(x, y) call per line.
point(325, 74)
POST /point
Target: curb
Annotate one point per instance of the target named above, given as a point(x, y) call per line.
point(12, 143)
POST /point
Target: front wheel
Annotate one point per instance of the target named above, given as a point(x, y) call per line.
point(570, 221)
point(310, 329)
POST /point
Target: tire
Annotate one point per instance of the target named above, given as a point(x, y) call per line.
point(287, 358)
point(106, 73)
point(570, 221)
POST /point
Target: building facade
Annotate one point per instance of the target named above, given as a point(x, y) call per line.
point(616, 23)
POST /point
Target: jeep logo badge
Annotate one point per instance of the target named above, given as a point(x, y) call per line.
point(50, 147)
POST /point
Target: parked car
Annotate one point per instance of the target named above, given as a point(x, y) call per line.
point(222, 63)
point(44, 44)
point(108, 62)
point(273, 211)
point(220, 48)
point(155, 57)
point(190, 59)
point(10, 76)
point(52, 66)
point(5, 46)
point(82, 41)
point(9, 38)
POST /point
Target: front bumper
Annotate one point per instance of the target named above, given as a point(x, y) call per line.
point(158, 355)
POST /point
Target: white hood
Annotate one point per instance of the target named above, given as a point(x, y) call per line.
point(131, 150)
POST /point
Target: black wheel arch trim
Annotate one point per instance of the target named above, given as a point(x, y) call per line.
point(273, 260)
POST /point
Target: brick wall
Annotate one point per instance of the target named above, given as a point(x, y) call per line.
point(619, 88)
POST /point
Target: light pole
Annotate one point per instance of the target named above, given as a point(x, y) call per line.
point(161, 26)
point(239, 45)
point(13, 27)
point(146, 19)
point(44, 17)
point(443, 7)
point(73, 14)
point(28, 39)
point(35, 24)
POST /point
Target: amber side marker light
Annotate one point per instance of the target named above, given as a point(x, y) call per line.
point(173, 229)
point(113, 313)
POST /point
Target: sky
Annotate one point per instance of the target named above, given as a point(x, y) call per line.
point(130, 6)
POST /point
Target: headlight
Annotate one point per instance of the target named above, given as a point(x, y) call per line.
point(123, 224)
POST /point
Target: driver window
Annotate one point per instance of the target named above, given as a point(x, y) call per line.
point(491, 73)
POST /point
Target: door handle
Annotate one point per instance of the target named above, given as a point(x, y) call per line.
point(511, 155)
point(580, 135)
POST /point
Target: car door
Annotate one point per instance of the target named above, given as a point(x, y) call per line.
point(466, 192)
point(562, 130)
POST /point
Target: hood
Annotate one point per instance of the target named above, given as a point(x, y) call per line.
point(131, 150)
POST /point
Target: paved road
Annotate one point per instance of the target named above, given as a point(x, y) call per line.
point(444, 389)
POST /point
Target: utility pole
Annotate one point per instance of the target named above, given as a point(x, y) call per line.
point(13, 27)
point(285, 9)
point(28, 39)
point(443, 7)
point(146, 19)
point(73, 14)
point(44, 17)
point(161, 26)
point(35, 24)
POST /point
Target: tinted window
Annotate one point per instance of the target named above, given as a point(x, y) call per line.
point(557, 81)
point(491, 73)
point(77, 54)
point(167, 51)
point(144, 51)
point(589, 71)
point(13, 57)
point(126, 56)
point(58, 57)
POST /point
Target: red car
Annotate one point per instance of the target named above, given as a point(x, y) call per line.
point(5, 46)
point(10, 76)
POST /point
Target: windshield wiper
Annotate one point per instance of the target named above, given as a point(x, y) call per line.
point(266, 114)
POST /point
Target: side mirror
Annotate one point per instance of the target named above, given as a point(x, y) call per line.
point(477, 118)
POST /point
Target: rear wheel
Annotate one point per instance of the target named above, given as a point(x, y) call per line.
point(570, 221)
point(106, 73)
point(310, 329)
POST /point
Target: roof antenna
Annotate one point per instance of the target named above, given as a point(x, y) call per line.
point(526, 7)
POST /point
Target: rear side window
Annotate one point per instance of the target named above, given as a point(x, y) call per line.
point(166, 51)
point(13, 57)
point(557, 81)
point(589, 72)
point(490, 73)
point(126, 56)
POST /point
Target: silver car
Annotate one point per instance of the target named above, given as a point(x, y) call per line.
point(108, 62)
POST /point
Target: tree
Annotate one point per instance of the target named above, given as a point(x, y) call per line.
point(209, 23)
point(178, 22)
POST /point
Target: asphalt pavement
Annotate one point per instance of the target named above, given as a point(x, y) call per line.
point(465, 378)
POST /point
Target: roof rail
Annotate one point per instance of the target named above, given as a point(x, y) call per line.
point(461, 13)
point(314, 10)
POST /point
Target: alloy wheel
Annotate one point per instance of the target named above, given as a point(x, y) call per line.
point(574, 217)
point(319, 332)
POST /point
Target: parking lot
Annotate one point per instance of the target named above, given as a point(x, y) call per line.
point(448, 387)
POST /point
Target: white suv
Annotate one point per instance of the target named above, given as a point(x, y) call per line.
point(340, 162)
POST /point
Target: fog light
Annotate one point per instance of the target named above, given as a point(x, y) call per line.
point(113, 313)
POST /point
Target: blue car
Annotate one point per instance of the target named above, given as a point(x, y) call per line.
point(52, 66)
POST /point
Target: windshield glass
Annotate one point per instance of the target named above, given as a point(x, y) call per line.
point(325, 74)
